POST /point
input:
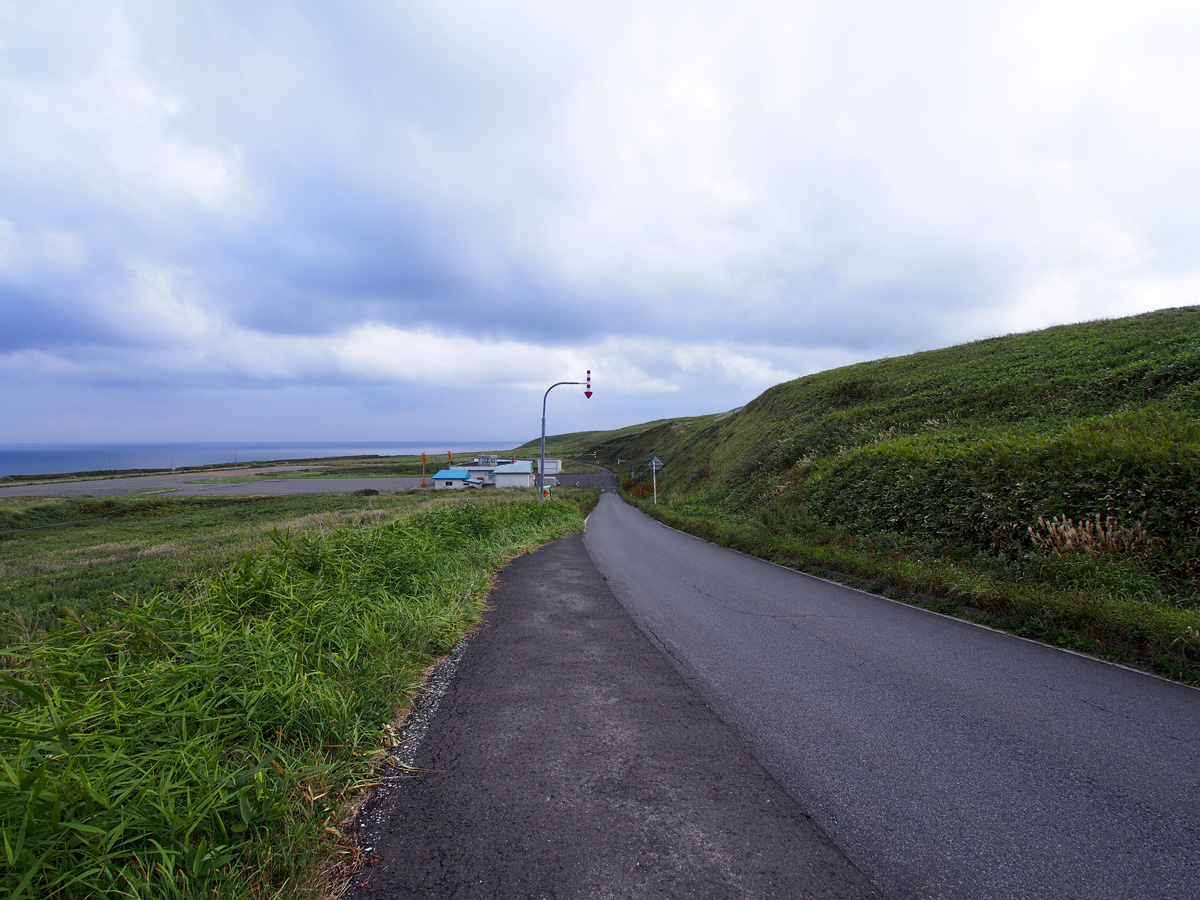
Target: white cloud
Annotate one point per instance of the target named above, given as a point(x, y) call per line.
point(85, 112)
point(23, 252)
point(450, 359)
point(156, 305)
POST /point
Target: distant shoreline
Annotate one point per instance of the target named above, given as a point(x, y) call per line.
point(44, 461)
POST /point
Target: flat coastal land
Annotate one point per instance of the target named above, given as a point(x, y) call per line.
point(213, 483)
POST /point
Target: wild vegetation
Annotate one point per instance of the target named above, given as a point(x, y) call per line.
point(63, 557)
point(198, 737)
point(1048, 482)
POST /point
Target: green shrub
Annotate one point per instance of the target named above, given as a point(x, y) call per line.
point(986, 490)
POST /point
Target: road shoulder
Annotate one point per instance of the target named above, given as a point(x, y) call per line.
point(569, 759)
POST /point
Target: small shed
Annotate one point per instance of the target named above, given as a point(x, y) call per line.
point(451, 478)
point(480, 474)
point(514, 475)
point(553, 467)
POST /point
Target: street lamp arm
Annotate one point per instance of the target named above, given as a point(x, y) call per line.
point(542, 453)
point(547, 394)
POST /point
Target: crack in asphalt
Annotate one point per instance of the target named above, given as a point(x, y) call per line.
point(416, 726)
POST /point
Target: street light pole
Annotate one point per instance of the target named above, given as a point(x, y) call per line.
point(542, 454)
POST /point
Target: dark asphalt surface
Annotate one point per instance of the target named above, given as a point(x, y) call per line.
point(568, 759)
point(604, 479)
point(947, 760)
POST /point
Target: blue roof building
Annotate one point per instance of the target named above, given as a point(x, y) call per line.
point(451, 478)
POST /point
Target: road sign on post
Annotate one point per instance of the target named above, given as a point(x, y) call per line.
point(655, 465)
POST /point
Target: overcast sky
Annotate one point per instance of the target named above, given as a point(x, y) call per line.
point(399, 220)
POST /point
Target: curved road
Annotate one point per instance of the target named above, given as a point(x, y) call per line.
point(945, 759)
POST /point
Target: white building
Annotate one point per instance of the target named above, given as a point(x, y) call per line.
point(454, 479)
point(553, 467)
point(516, 475)
point(481, 474)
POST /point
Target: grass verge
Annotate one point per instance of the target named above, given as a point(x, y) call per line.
point(64, 559)
point(198, 740)
point(1087, 604)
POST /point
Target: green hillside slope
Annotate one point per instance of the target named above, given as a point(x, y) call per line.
point(1048, 482)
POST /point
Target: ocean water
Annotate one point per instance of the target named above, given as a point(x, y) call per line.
point(48, 459)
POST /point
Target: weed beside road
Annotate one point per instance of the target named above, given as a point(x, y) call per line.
point(198, 741)
point(68, 558)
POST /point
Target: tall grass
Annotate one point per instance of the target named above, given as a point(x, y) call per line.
point(66, 558)
point(199, 744)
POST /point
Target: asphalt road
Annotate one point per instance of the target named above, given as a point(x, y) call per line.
point(946, 760)
point(568, 759)
point(604, 479)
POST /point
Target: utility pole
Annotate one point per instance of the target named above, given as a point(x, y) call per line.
point(542, 455)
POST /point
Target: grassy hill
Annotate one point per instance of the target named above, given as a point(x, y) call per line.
point(576, 444)
point(1045, 482)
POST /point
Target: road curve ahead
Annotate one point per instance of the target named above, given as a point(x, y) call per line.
point(946, 760)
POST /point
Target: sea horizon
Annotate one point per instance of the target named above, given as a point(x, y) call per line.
point(63, 458)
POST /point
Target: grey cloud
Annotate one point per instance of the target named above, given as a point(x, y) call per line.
point(816, 182)
point(35, 319)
